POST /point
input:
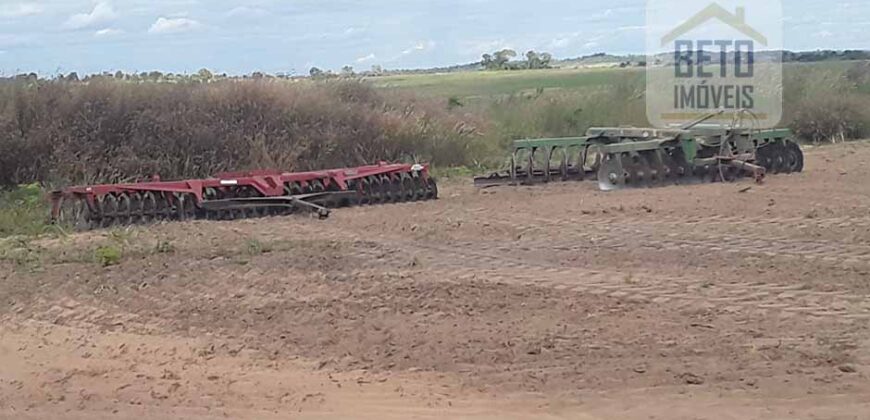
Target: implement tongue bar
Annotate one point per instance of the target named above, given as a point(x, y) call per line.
point(707, 117)
point(306, 201)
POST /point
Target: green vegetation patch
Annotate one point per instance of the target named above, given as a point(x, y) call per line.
point(23, 211)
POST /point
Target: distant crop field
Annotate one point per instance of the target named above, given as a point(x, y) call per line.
point(498, 83)
point(494, 83)
point(822, 101)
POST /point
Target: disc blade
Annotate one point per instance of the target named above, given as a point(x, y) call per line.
point(611, 175)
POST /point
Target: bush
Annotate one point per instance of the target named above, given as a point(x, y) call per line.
point(106, 130)
point(831, 119)
point(108, 255)
point(22, 211)
point(111, 131)
point(828, 102)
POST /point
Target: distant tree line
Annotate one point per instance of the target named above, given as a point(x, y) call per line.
point(825, 55)
point(202, 76)
point(501, 60)
point(498, 60)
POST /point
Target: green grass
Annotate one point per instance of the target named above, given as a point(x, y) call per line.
point(461, 172)
point(494, 83)
point(108, 255)
point(23, 211)
point(822, 101)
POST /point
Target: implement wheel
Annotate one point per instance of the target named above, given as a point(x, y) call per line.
point(431, 189)
point(794, 158)
point(408, 188)
point(418, 189)
point(396, 191)
point(777, 155)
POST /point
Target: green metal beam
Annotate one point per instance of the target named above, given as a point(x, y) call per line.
point(549, 143)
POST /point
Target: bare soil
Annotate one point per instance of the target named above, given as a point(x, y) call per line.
point(721, 301)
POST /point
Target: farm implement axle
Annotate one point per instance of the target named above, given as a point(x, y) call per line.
point(241, 195)
point(643, 157)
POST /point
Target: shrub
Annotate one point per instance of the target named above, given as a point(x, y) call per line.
point(164, 247)
point(109, 131)
point(22, 211)
point(108, 255)
point(827, 102)
point(831, 118)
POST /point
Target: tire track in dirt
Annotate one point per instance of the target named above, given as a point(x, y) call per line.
point(488, 261)
point(500, 261)
point(677, 236)
point(654, 288)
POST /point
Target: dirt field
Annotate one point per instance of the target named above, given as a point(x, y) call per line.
point(699, 302)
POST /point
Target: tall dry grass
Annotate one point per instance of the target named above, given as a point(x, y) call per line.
point(59, 133)
point(822, 102)
point(828, 103)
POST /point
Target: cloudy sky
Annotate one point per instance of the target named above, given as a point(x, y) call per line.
point(51, 36)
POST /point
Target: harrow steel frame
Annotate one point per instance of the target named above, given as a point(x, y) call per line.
point(641, 157)
point(241, 194)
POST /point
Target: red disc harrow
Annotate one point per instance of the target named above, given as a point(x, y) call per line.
point(241, 195)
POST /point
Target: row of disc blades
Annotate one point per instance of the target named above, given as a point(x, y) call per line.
point(652, 168)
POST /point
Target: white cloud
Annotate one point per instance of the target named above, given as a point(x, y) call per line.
point(102, 13)
point(420, 46)
point(824, 34)
point(369, 57)
point(487, 46)
point(20, 10)
point(631, 28)
point(580, 39)
point(11, 40)
point(173, 25)
point(566, 40)
point(245, 12)
point(108, 32)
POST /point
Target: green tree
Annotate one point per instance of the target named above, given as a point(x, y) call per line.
point(204, 75)
point(487, 62)
point(503, 57)
point(545, 60)
point(533, 60)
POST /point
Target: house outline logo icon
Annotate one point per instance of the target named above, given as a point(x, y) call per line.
point(736, 20)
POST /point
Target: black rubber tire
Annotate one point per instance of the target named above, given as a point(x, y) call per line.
point(764, 158)
point(777, 154)
point(407, 183)
point(795, 157)
point(431, 188)
point(396, 192)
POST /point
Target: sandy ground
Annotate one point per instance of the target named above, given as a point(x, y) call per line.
point(697, 302)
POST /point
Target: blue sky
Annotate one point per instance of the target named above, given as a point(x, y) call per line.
point(51, 36)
